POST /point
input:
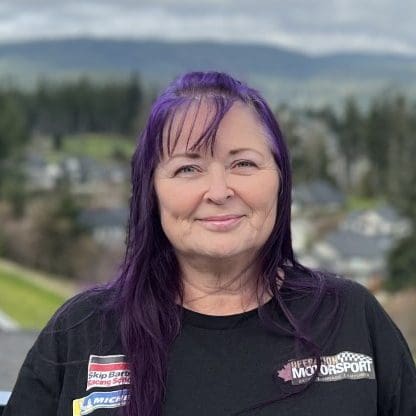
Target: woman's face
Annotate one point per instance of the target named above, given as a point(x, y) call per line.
point(222, 205)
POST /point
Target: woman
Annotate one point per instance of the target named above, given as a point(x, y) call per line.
point(211, 313)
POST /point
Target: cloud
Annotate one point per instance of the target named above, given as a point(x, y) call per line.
point(313, 27)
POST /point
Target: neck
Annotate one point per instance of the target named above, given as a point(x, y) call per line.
point(221, 286)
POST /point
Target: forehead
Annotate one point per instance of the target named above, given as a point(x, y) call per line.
point(195, 127)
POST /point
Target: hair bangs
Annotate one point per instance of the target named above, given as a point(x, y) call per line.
point(182, 119)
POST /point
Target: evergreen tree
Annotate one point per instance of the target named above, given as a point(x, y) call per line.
point(58, 231)
point(377, 138)
point(350, 136)
point(13, 136)
point(13, 128)
point(402, 264)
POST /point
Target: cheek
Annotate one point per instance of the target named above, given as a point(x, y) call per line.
point(175, 202)
point(260, 192)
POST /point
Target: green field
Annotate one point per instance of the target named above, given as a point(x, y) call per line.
point(26, 302)
point(362, 203)
point(100, 147)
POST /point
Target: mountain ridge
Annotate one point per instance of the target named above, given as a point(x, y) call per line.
point(269, 67)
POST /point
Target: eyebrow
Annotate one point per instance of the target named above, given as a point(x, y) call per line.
point(243, 149)
point(198, 156)
point(187, 155)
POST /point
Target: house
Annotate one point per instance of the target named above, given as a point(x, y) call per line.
point(381, 221)
point(107, 225)
point(83, 169)
point(354, 255)
point(317, 196)
point(359, 246)
point(40, 174)
point(302, 232)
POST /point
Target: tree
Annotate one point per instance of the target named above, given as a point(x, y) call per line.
point(13, 128)
point(401, 168)
point(294, 142)
point(377, 137)
point(133, 102)
point(402, 264)
point(351, 136)
point(58, 232)
point(13, 189)
point(13, 136)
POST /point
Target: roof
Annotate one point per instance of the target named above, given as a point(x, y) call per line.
point(351, 244)
point(318, 192)
point(385, 212)
point(388, 213)
point(104, 217)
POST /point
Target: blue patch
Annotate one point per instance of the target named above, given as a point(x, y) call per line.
point(99, 400)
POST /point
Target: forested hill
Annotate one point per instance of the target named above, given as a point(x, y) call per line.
point(278, 71)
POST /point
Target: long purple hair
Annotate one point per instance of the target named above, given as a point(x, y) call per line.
point(146, 292)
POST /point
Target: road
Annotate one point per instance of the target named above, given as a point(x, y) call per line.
point(7, 323)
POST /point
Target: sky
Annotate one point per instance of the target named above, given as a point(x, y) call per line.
point(311, 26)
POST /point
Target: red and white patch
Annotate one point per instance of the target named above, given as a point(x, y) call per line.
point(344, 365)
point(107, 371)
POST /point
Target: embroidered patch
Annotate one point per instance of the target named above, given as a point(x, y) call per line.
point(107, 371)
point(344, 365)
point(99, 400)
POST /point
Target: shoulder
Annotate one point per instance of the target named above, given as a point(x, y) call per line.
point(359, 297)
point(362, 308)
point(81, 322)
point(323, 288)
point(356, 299)
point(354, 288)
point(351, 291)
point(87, 306)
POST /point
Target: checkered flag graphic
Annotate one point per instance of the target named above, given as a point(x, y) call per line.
point(347, 356)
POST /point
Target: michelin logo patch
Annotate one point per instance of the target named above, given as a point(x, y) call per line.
point(107, 371)
point(99, 400)
point(345, 365)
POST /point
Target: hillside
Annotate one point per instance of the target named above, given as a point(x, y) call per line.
point(28, 297)
point(281, 74)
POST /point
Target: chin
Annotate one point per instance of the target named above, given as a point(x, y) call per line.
point(223, 252)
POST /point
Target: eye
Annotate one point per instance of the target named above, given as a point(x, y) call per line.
point(186, 170)
point(244, 164)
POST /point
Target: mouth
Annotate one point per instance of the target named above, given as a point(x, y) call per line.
point(220, 222)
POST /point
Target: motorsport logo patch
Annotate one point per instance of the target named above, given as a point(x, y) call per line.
point(344, 365)
point(107, 371)
point(99, 400)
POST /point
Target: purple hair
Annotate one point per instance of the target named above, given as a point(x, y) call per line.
point(146, 291)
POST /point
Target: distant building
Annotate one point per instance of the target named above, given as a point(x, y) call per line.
point(302, 232)
point(381, 221)
point(317, 195)
point(354, 255)
point(83, 172)
point(359, 247)
point(40, 174)
point(107, 225)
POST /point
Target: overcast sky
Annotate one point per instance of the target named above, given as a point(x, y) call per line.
point(312, 26)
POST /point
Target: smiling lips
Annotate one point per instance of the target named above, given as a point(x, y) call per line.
point(220, 222)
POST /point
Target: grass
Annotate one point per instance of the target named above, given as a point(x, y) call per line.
point(25, 300)
point(358, 203)
point(100, 147)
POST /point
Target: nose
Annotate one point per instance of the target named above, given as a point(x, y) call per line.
point(218, 190)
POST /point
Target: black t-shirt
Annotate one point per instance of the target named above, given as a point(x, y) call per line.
point(220, 365)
